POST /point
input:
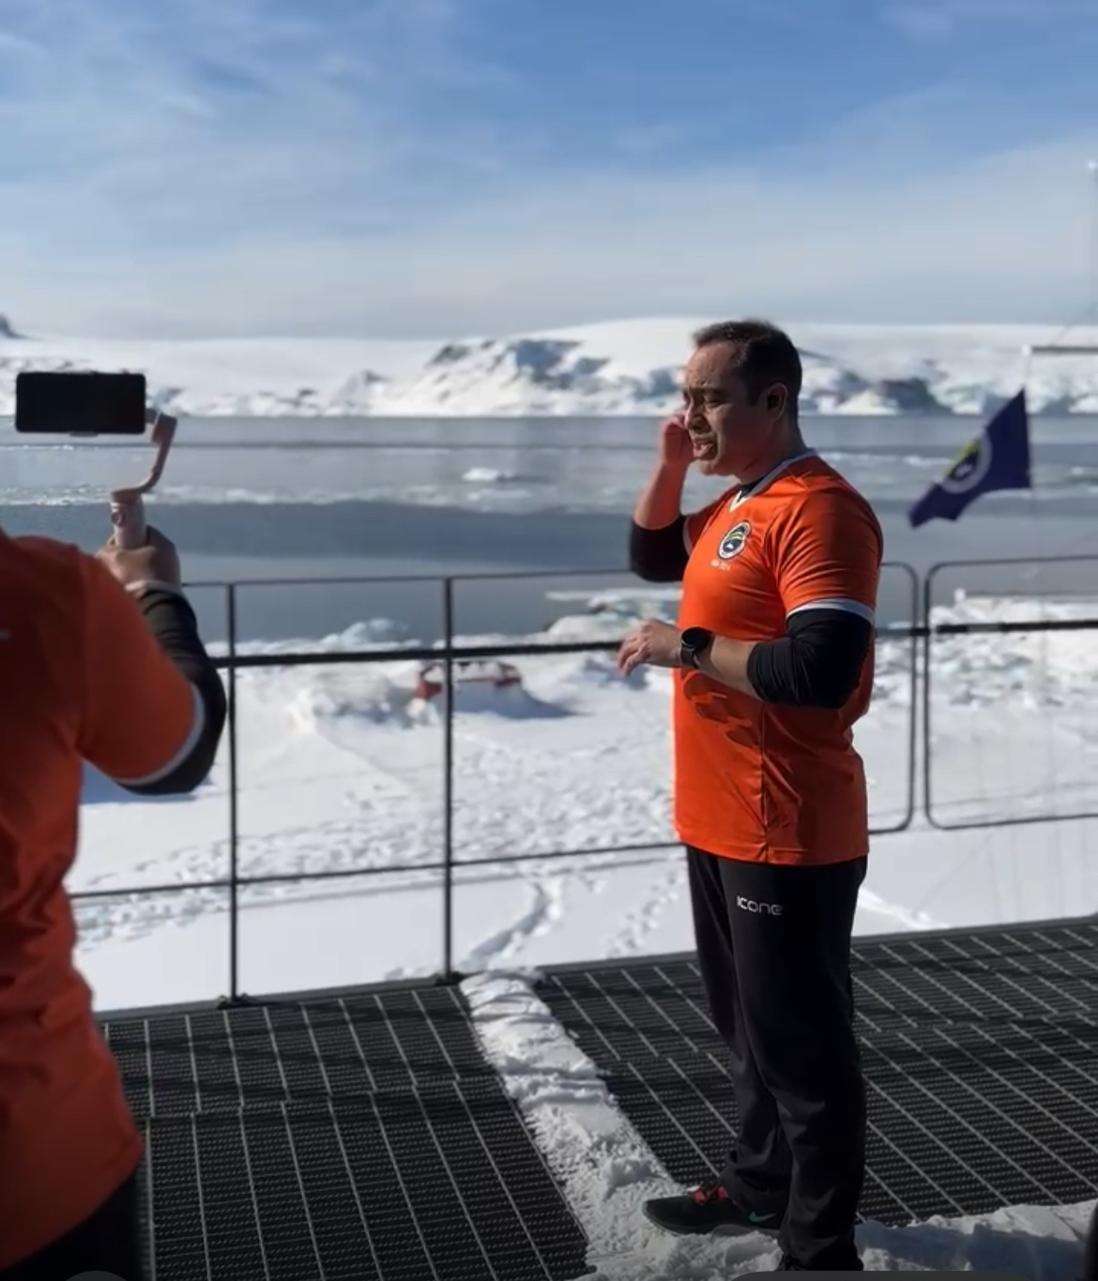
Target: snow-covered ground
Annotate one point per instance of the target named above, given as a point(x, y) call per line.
point(618, 367)
point(342, 767)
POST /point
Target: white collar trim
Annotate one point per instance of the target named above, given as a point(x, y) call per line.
point(769, 478)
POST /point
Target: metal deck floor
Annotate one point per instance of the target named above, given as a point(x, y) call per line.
point(363, 1135)
point(353, 1137)
point(980, 1052)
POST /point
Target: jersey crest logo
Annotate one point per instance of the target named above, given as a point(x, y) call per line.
point(734, 541)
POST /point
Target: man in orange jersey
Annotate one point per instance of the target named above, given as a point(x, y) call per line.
point(100, 660)
point(774, 649)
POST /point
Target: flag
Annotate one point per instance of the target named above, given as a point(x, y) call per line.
point(996, 459)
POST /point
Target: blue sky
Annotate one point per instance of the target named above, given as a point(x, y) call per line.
point(427, 168)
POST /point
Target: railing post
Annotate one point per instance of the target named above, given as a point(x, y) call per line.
point(448, 785)
point(913, 726)
point(233, 981)
point(928, 595)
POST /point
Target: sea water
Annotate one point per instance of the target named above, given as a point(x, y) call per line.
point(317, 499)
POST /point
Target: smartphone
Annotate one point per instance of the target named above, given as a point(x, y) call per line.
point(82, 404)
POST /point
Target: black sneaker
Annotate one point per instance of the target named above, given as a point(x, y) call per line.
point(706, 1208)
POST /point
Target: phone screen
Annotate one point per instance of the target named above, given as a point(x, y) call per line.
point(82, 402)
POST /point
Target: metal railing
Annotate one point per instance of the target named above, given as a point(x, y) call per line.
point(447, 653)
point(990, 627)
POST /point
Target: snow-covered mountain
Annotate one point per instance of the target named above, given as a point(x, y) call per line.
point(620, 367)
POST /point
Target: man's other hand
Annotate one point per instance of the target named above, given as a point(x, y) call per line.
point(652, 642)
point(157, 561)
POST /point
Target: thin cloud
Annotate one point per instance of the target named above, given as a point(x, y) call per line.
point(945, 246)
point(933, 19)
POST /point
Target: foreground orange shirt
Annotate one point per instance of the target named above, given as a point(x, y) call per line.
point(81, 676)
point(762, 781)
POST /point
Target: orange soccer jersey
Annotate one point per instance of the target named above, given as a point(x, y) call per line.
point(760, 781)
point(81, 676)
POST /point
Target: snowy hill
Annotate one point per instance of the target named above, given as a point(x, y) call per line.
point(621, 367)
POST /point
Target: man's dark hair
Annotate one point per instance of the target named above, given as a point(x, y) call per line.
point(764, 355)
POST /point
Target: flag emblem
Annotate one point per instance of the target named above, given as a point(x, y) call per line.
point(970, 469)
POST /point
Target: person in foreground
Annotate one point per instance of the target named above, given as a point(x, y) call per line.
point(774, 651)
point(100, 661)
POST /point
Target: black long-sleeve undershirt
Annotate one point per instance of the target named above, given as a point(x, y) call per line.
point(816, 664)
point(658, 555)
point(171, 619)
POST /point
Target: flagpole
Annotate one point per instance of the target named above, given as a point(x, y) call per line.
point(1092, 169)
point(1053, 346)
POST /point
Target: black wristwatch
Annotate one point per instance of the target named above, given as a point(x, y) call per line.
point(693, 642)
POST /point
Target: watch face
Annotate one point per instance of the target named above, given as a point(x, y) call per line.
point(694, 639)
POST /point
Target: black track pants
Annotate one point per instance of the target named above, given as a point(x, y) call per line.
point(779, 989)
point(105, 1244)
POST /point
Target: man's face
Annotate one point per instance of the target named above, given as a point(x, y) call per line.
point(729, 433)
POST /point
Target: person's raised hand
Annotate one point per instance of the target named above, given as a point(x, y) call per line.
point(676, 447)
point(156, 561)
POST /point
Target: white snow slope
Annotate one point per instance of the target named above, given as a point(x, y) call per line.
point(619, 367)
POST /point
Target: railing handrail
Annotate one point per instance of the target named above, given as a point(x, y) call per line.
point(302, 658)
point(621, 571)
